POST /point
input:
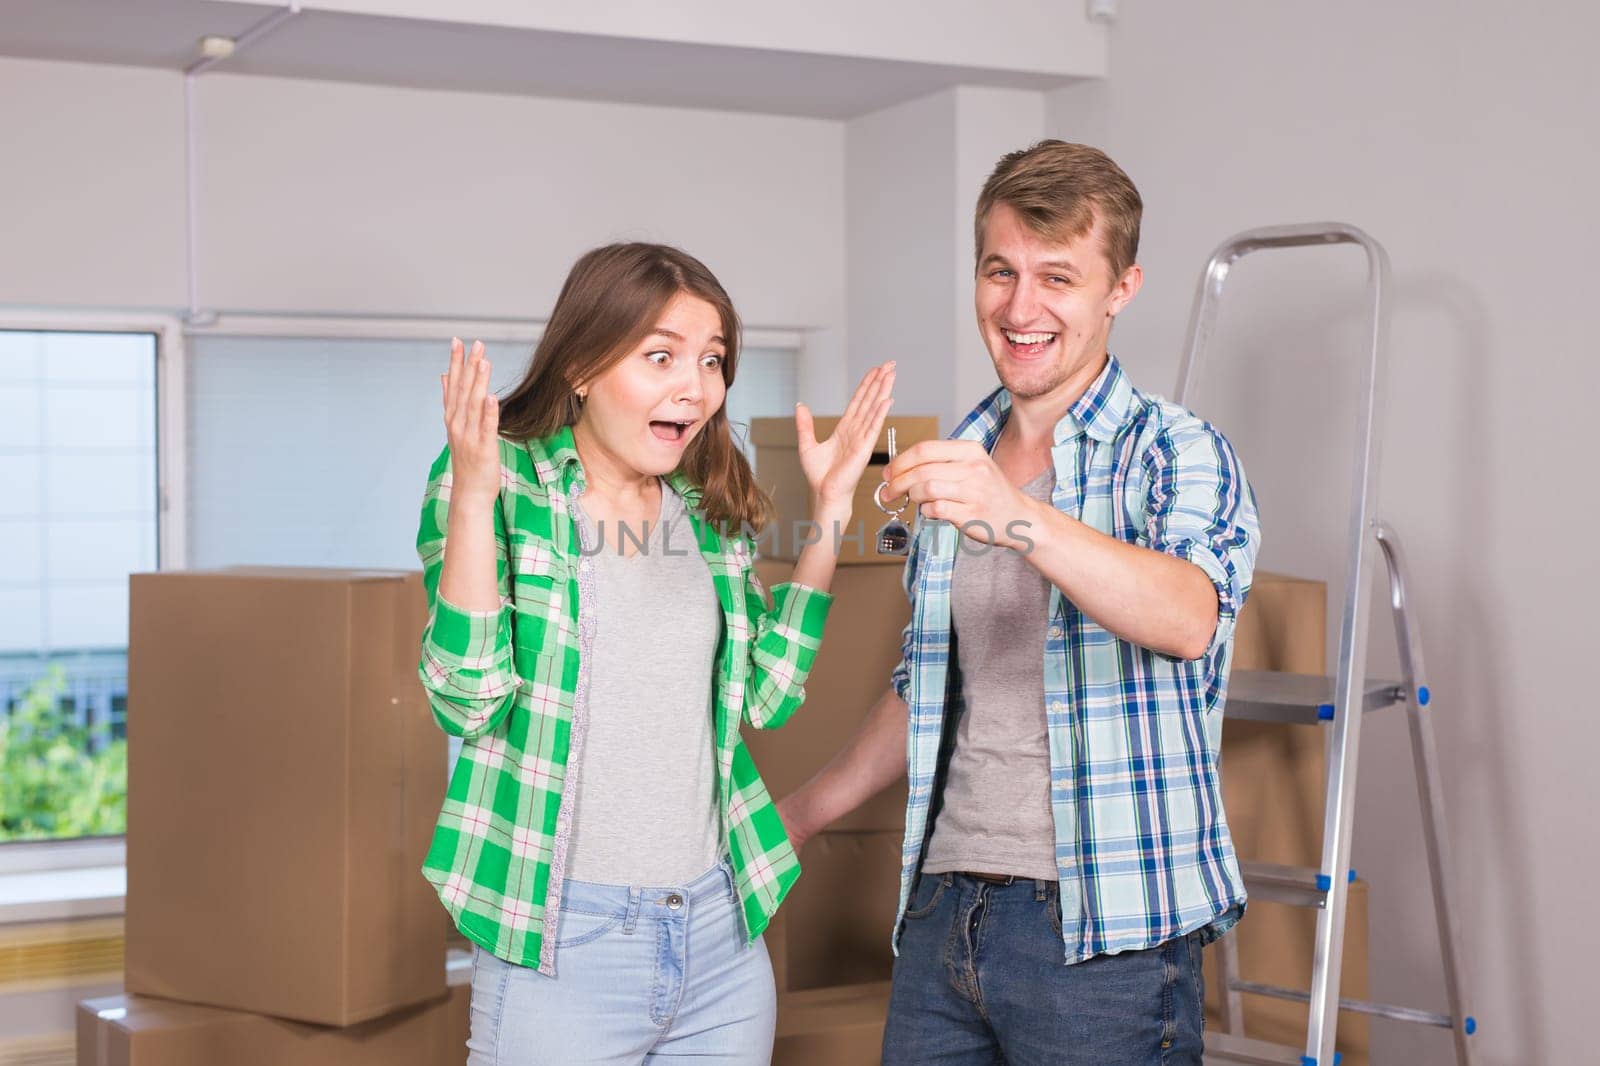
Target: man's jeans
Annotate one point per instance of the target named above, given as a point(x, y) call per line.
point(981, 978)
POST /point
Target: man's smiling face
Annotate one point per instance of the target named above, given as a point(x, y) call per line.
point(1044, 306)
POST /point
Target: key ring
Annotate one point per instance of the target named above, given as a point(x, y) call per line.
point(877, 493)
point(877, 498)
point(894, 538)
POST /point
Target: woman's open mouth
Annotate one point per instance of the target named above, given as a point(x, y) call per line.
point(671, 432)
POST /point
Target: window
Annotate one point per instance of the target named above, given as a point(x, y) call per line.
point(80, 493)
point(314, 451)
point(767, 387)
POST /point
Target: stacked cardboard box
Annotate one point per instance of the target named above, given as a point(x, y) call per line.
point(128, 1030)
point(841, 1025)
point(851, 671)
point(830, 950)
point(284, 776)
point(830, 941)
point(1272, 790)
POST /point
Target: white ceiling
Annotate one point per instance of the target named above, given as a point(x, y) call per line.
point(439, 55)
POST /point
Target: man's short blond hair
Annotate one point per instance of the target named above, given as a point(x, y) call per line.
point(1060, 190)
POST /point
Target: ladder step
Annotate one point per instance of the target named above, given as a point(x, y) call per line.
point(1298, 886)
point(1270, 696)
point(1228, 1047)
point(1360, 1006)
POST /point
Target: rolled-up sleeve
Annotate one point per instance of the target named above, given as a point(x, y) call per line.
point(467, 664)
point(1200, 507)
point(783, 645)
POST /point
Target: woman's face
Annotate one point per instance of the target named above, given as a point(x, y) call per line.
point(643, 412)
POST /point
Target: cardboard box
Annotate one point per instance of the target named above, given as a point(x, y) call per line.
point(859, 651)
point(1276, 947)
point(778, 472)
point(127, 1030)
point(839, 1026)
point(1283, 626)
point(834, 927)
point(1273, 775)
point(284, 777)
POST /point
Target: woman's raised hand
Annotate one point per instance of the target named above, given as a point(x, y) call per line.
point(833, 467)
point(472, 425)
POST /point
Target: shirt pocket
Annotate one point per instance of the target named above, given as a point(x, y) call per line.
point(540, 580)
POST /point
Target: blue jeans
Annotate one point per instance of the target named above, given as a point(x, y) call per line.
point(981, 978)
point(644, 975)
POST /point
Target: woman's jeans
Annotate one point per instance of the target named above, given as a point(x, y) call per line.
point(644, 975)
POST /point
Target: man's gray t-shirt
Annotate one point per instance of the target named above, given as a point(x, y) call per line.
point(646, 804)
point(996, 813)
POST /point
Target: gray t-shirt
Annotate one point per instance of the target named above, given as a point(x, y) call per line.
point(996, 814)
point(646, 803)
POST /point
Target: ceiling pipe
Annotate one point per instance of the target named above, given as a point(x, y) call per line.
point(214, 51)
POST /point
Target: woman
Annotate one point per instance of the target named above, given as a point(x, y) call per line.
point(597, 637)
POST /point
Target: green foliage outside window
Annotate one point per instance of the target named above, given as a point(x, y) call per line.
point(59, 779)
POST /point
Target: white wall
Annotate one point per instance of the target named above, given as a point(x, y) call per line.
point(900, 185)
point(91, 190)
point(1462, 136)
point(914, 173)
point(989, 124)
point(323, 196)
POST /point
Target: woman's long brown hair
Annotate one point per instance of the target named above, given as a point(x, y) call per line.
point(611, 301)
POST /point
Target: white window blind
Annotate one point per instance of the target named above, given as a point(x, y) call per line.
point(315, 452)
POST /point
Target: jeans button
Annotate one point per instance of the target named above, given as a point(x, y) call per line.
point(674, 901)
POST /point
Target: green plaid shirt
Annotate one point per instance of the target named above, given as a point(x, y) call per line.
point(514, 683)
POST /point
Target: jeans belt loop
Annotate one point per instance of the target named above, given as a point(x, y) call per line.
point(635, 899)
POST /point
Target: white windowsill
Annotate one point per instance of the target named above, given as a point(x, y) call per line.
point(59, 895)
point(100, 892)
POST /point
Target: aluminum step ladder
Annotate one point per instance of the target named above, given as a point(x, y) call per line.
point(1339, 702)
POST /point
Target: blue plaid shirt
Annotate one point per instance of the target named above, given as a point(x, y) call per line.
point(1142, 846)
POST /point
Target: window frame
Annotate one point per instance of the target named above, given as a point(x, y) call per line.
point(37, 876)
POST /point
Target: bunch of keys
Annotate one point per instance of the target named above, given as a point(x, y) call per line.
point(894, 538)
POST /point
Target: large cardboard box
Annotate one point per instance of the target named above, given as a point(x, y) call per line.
point(838, 1026)
point(1272, 775)
point(1273, 778)
point(778, 471)
point(1283, 626)
point(835, 925)
point(284, 777)
point(1275, 948)
point(126, 1030)
point(859, 651)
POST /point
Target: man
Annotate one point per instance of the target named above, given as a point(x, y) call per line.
point(1083, 553)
